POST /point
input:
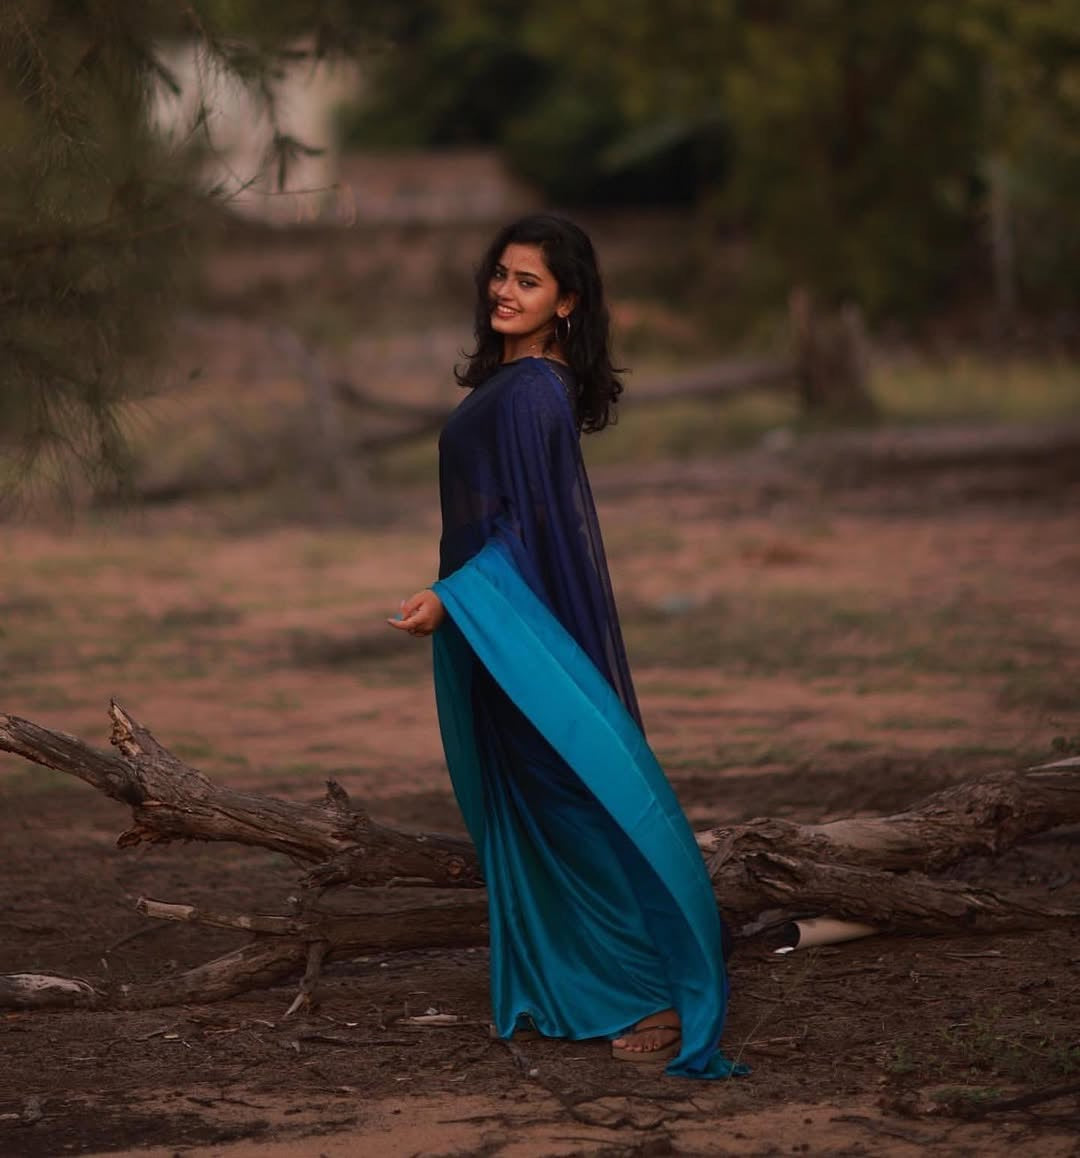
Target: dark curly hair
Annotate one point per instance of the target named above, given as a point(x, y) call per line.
point(569, 255)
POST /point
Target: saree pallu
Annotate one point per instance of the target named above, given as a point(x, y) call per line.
point(601, 911)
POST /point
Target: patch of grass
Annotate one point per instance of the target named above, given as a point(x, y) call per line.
point(24, 605)
point(659, 687)
point(330, 549)
point(633, 540)
point(206, 615)
point(965, 1101)
point(410, 464)
point(972, 751)
point(318, 649)
point(919, 723)
point(849, 746)
point(302, 768)
point(277, 701)
point(1020, 1049)
point(193, 748)
point(724, 756)
point(874, 645)
point(25, 779)
point(1046, 689)
point(974, 387)
point(1064, 746)
point(902, 1061)
point(757, 633)
point(377, 659)
point(772, 754)
point(689, 428)
point(48, 698)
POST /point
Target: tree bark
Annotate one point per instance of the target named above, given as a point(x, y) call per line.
point(171, 801)
point(869, 870)
point(980, 818)
point(833, 366)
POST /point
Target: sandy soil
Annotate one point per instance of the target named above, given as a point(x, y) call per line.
point(798, 653)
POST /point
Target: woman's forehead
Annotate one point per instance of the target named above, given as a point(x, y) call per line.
point(518, 258)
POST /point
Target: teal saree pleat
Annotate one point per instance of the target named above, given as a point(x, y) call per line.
point(601, 909)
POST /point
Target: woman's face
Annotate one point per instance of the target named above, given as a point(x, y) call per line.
point(524, 294)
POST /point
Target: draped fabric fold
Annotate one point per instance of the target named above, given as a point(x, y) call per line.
point(601, 910)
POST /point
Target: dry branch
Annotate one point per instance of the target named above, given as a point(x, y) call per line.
point(171, 801)
point(870, 870)
point(981, 818)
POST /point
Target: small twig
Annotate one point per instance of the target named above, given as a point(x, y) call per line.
point(521, 1059)
point(353, 1042)
point(132, 936)
point(308, 983)
point(756, 996)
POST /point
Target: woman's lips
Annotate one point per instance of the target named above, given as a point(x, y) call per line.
point(502, 311)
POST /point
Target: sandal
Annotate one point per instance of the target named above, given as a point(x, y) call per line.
point(647, 1056)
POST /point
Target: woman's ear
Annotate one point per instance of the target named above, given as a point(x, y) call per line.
point(566, 305)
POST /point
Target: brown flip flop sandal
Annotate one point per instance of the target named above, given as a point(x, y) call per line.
point(647, 1056)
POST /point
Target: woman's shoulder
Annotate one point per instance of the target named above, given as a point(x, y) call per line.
point(536, 385)
point(535, 376)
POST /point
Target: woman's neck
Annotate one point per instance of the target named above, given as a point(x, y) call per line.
point(515, 350)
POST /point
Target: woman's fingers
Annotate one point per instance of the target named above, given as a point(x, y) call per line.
point(418, 624)
point(420, 615)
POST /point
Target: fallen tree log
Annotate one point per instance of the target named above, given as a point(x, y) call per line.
point(870, 870)
point(171, 801)
point(980, 818)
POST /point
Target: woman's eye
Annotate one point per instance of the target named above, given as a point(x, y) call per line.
point(527, 284)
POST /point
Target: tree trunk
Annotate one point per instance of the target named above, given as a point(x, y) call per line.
point(833, 365)
point(869, 870)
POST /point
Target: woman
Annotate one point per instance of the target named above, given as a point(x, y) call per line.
point(603, 921)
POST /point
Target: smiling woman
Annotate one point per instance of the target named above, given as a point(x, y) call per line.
point(546, 268)
point(602, 917)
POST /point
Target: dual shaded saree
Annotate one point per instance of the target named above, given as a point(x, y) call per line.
point(601, 911)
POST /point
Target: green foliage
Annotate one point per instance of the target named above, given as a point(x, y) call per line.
point(889, 154)
point(883, 153)
point(97, 214)
point(526, 78)
point(86, 211)
point(452, 72)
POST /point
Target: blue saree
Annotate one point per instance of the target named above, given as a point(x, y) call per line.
point(601, 911)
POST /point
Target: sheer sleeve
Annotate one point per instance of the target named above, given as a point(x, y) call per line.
point(541, 509)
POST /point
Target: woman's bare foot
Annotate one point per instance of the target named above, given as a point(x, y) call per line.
point(655, 1037)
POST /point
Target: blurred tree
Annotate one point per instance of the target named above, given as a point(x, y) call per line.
point(878, 153)
point(868, 137)
point(96, 213)
point(516, 74)
point(881, 153)
point(1030, 149)
point(450, 72)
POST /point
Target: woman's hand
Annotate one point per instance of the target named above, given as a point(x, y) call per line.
point(421, 614)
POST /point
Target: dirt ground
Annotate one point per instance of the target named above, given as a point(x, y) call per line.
point(801, 649)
